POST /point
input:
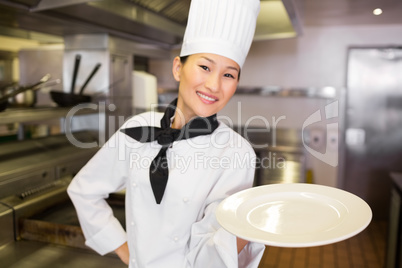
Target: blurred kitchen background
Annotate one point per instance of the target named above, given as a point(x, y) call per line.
point(320, 97)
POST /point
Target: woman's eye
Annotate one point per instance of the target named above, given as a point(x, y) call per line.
point(204, 67)
point(229, 75)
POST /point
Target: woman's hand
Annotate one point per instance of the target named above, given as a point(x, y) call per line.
point(123, 253)
point(241, 243)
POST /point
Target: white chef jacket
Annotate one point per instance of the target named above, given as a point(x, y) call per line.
point(182, 231)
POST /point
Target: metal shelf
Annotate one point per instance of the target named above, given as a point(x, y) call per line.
point(23, 115)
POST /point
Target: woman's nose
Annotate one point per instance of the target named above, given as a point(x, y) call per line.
point(212, 83)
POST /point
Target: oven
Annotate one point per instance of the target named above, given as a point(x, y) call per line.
point(39, 225)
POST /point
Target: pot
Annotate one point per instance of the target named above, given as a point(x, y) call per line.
point(4, 98)
point(70, 99)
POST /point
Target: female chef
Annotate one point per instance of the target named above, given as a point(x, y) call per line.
point(178, 166)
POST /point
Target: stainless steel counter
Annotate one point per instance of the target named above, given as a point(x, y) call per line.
point(23, 115)
point(31, 165)
point(39, 226)
point(47, 232)
point(33, 254)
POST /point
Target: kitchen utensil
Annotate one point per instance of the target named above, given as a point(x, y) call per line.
point(75, 72)
point(96, 68)
point(294, 214)
point(35, 86)
point(28, 98)
point(70, 99)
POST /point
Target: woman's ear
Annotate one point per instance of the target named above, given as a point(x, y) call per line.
point(176, 68)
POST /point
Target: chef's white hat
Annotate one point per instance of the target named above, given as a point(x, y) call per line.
point(223, 27)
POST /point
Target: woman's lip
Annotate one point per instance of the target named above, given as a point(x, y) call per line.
point(207, 97)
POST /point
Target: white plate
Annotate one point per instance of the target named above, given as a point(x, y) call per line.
point(294, 215)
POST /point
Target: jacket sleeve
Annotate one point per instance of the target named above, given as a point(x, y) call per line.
point(103, 174)
point(212, 246)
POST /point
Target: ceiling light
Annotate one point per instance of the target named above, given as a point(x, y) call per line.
point(377, 11)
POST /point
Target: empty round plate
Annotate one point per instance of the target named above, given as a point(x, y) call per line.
point(294, 215)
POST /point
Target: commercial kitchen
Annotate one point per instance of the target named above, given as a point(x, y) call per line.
point(319, 99)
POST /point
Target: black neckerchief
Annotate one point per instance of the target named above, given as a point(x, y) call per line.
point(165, 135)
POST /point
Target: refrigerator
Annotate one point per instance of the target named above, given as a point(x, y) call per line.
point(372, 144)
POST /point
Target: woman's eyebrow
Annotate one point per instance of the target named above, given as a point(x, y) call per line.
point(213, 62)
point(209, 59)
point(233, 68)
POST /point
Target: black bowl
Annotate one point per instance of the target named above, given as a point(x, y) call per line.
point(67, 99)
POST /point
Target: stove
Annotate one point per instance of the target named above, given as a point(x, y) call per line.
point(39, 224)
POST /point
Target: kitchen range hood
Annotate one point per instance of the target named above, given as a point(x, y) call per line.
point(157, 22)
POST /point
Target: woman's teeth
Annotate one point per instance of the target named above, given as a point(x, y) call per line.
point(205, 97)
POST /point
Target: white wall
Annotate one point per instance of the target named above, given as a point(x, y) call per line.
point(317, 58)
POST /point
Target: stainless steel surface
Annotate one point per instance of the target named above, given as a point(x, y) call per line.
point(276, 91)
point(33, 165)
point(280, 167)
point(7, 225)
point(39, 224)
point(49, 4)
point(373, 139)
point(81, 19)
point(6, 71)
point(23, 115)
point(280, 155)
point(36, 203)
point(160, 23)
point(32, 254)
point(45, 224)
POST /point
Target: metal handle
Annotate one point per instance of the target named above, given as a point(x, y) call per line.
point(75, 71)
point(22, 89)
point(97, 66)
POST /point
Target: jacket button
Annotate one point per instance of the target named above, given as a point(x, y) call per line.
point(185, 199)
point(134, 184)
point(176, 239)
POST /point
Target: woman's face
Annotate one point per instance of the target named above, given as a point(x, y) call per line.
point(207, 82)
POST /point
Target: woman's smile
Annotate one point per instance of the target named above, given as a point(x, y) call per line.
point(206, 98)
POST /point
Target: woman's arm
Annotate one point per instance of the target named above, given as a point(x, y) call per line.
point(123, 253)
point(103, 174)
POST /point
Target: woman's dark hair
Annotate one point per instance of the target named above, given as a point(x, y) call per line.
point(183, 60)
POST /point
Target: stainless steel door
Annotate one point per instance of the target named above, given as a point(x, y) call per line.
point(373, 141)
